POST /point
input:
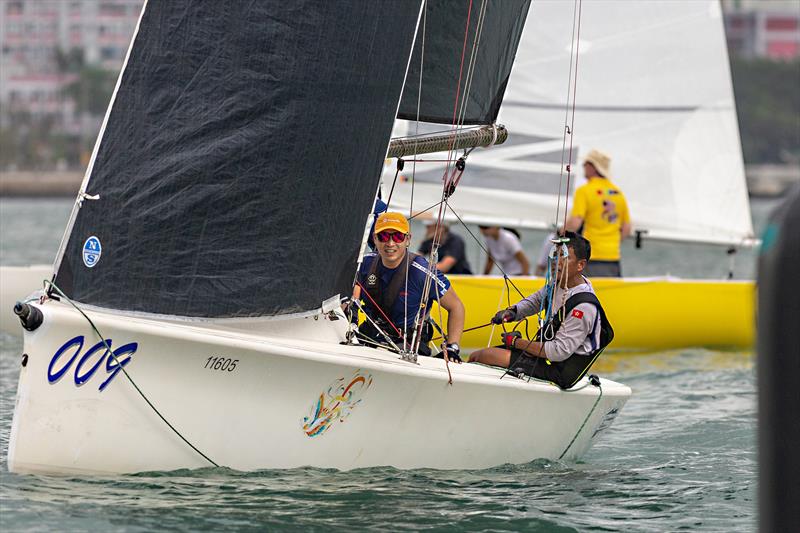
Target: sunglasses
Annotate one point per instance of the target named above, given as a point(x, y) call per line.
point(386, 236)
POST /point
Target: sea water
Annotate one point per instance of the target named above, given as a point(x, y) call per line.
point(681, 455)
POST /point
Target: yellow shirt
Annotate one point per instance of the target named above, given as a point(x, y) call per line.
point(603, 208)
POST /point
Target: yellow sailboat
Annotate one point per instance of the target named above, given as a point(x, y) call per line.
point(647, 313)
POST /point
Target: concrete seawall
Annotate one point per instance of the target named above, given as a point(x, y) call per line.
point(762, 180)
point(771, 180)
point(40, 184)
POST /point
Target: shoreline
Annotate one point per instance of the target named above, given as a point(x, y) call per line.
point(33, 184)
point(763, 181)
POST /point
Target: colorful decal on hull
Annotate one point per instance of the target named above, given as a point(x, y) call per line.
point(337, 403)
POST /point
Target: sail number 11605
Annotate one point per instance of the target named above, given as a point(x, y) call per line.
point(221, 363)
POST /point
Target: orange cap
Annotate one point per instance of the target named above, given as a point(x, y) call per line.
point(394, 221)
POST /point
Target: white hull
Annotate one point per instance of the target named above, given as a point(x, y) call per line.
point(262, 413)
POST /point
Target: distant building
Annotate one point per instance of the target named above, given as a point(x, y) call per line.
point(31, 33)
point(767, 29)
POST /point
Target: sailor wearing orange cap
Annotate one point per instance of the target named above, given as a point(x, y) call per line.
point(391, 284)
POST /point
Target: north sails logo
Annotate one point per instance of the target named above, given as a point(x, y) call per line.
point(92, 251)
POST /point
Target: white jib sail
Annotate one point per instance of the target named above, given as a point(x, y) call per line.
point(653, 91)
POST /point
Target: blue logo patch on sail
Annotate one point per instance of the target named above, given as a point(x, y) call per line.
point(91, 251)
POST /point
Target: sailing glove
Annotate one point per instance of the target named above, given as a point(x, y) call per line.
point(509, 337)
point(453, 352)
point(506, 315)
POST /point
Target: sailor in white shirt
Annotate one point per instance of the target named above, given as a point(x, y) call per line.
point(505, 250)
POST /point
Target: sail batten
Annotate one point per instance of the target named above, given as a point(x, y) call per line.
point(221, 169)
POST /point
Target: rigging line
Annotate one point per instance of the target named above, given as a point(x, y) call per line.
point(364, 290)
point(459, 126)
point(414, 163)
point(458, 95)
point(438, 132)
point(367, 341)
point(378, 328)
point(421, 312)
point(446, 342)
point(471, 67)
point(600, 395)
point(428, 160)
point(394, 182)
point(482, 247)
point(461, 66)
point(419, 103)
point(436, 237)
point(435, 243)
point(499, 302)
point(505, 276)
point(574, 95)
point(467, 330)
point(556, 283)
point(425, 210)
point(567, 129)
point(107, 345)
point(506, 281)
point(472, 62)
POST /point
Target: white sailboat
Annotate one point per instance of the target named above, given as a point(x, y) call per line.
point(194, 318)
point(653, 89)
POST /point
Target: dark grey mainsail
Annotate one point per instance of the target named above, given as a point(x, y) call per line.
point(240, 157)
point(493, 33)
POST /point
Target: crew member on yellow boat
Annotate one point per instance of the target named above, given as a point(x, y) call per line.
point(601, 208)
point(505, 249)
point(391, 284)
point(568, 343)
point(452, 250)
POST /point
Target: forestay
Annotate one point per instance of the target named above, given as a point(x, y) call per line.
point(239, 157)
point(653, 90)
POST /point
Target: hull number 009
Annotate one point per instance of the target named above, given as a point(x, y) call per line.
point(221, 363)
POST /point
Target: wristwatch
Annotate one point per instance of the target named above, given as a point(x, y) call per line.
point(454, 346)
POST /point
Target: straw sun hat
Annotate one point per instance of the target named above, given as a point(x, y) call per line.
point(601, 162)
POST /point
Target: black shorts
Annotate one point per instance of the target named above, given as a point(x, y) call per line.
point(535, 367)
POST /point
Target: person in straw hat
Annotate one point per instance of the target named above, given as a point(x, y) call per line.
point(601, 209)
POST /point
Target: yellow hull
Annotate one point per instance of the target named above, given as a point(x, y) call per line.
point(646, 313)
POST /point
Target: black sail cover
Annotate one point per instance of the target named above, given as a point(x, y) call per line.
point(240, 157)
point(494, 37)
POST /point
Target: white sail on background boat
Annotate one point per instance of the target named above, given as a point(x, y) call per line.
point(653, 89)
point(194, 318)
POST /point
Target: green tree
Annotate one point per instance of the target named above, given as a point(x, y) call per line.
point(768, 103)
point(92, 90)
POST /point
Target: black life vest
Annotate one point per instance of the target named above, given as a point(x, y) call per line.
point(386, 297)
point(572, 369)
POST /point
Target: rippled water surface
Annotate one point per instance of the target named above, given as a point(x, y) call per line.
point(681, 456)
